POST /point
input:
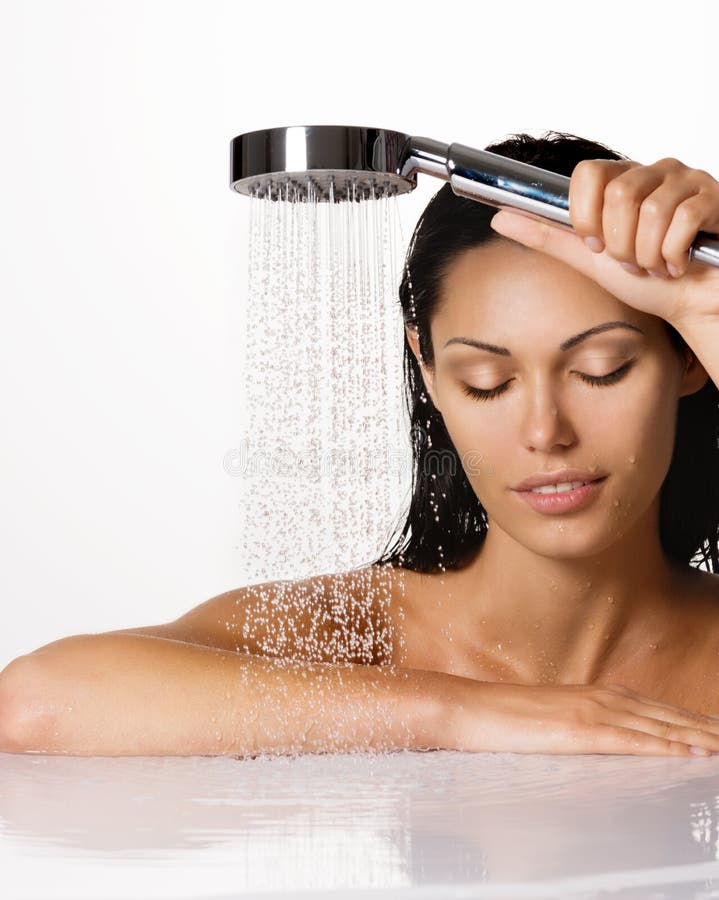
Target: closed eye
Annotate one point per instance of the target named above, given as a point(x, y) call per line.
point(597, 381)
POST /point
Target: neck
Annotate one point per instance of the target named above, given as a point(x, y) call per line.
point(573, 620)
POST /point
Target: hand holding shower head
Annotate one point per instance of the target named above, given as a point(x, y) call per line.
point(336, 162)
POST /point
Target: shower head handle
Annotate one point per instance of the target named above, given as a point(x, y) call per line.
point(502, 182)
point(509, 183)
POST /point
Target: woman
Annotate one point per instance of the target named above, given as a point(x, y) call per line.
point(510, 620)
point(591, 382)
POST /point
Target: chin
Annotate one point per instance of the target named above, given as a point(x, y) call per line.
point(569, 543)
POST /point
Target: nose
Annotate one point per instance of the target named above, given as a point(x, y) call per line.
point(545, 425)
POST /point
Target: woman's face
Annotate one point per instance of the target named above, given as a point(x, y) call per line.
point(547, 417)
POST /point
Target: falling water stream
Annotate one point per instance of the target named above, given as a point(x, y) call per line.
point(326, 458)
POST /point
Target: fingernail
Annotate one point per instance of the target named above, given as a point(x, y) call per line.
point(673, 270)
point(594, 243)
point(630, 267)
point(656, 274)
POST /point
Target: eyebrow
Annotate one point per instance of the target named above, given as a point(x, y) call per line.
point(565, 345)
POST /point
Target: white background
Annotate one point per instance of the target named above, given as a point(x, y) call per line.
point(122, 248)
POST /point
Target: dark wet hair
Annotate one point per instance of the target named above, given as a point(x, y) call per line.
point(446, 524)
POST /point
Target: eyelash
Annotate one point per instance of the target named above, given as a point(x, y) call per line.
point(612, 378)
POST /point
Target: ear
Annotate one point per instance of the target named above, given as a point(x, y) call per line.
point(695, 375)
point(426, 371)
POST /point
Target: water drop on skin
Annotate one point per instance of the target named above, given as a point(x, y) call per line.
point(610, 599)
point(632, 459)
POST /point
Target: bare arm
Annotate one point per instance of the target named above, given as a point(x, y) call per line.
point(278, 669)
point(135, 695)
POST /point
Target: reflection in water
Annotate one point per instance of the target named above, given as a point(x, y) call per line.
point(411, 824)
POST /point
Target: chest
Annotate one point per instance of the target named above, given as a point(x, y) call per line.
point(682, 670)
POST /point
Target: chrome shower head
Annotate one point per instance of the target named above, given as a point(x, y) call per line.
point(337, 162)
point(320, 162)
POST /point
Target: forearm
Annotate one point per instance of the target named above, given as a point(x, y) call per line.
point(132, 695)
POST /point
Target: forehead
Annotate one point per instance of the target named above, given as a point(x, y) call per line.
point(510, 294)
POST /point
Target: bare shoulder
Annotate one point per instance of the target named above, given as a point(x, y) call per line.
point(360, 616)
point(334, 617)
point(414, 618)
point(700, 591)
point(698, 687)
point(706, 585)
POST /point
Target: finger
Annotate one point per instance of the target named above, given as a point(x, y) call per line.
point(663, 728)
point(616, 739)
point(656, 214)
point(586, 193)
point(546, 237)
point(696, 213)
point(623, 197)
point(678, 715)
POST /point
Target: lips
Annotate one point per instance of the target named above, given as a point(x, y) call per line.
point(564, 476)
point(571, 501)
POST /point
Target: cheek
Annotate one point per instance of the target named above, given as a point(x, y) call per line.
point(483, 444)
point(651, 430)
